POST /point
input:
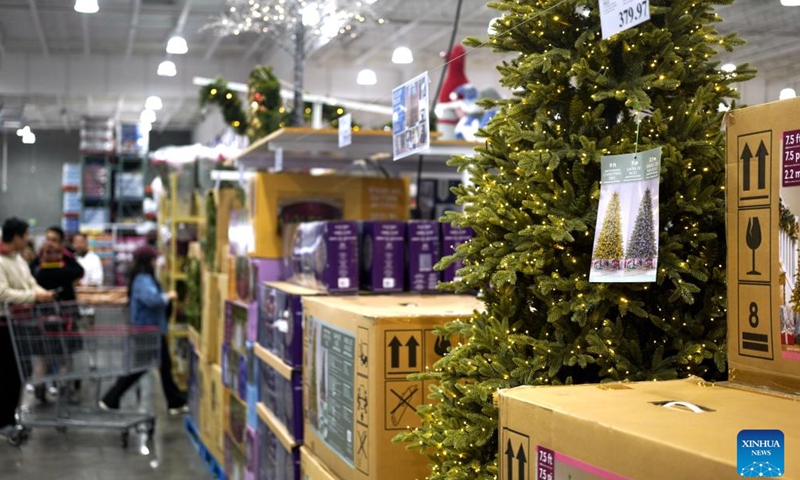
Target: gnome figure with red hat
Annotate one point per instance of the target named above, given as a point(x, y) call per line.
point(448, 106)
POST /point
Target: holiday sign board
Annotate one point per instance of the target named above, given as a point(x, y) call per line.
point(626, 241)
point(679, 429)
point(411, 127)
point(762, 194)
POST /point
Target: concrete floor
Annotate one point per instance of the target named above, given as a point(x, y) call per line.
point(95, 454)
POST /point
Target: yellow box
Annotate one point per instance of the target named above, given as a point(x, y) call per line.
point(209, 317)
point(277, 199)
point(763, 171)
point(359, 352)
point(226, 200)
point(222, 295)
point(680, 429)
point(212, 409)
point(312, 467)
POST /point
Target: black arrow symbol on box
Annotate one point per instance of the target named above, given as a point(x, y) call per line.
point(746, 156)
point(510, 460)
point(522, 460)
point(412, 345)
point(762, 154)
point(395, 345)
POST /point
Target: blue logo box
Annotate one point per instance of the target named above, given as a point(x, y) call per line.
point(760, 453)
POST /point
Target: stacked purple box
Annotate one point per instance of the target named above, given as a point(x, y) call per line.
point(383, 256)
point(283, 397)
point(241, 324)
point(280, 322)
point(424, 251)
point(234, 371)
point(452, 237)
point(324, 256)
point(251, 272)
point(275, 462)
point(251, 453)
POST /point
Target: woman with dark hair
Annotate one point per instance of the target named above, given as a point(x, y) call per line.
point(148, 307)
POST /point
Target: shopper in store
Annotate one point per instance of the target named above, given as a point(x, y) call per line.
point(90, 261)
point(17, 286)
point(148, 307)
point(58, 270)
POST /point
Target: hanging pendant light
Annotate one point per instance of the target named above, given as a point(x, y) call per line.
point(86, 6)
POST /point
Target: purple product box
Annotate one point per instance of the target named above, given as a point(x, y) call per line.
point(383, 256)
point(283, 397)
point(275, 462)
point(251, 272)
point(452, 237)
point(423, 252)
point(251, 453)
point(234, 371)
point(324, 256)
point(280, 321)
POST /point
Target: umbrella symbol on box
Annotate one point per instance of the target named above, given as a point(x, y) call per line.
point(753, 239)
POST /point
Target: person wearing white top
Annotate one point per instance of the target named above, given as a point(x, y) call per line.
point(90, 261)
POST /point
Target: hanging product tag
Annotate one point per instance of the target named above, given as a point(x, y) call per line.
point(345, 130)
point(626, 236)
point(411, 127)
point(619, 15)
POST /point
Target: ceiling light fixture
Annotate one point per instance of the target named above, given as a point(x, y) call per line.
point(787, 93)
point(147, 116)
point(29, 138)
point(366, 77)
point(790, 3)
point(728, 68)
point(24, 131)
point(167, 69)
point(153, 102)
point(86, 6)
point(402, 56)
point(177, 45)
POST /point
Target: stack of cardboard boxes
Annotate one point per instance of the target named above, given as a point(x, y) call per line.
point(747, 427)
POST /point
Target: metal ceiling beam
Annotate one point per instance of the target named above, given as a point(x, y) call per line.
point(187, 5)
point(445, 32)
point(37, 25)
point(171, 115)
point(117, 8)
point(2, 44)
point(132, 29)
point(212, 48)
point(120, 106)
point(399, 33)
point(87, 50)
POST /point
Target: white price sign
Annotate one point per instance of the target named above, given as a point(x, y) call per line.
point(619, 15)
point(345, 130)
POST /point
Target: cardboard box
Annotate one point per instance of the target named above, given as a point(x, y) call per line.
point(251, 451)
point(234, 371)
point(279, 455)
point(278, 199)
point(452, 237)
point(222, 297)
point(762, 169)
point(280, 320)
point(311, 468)
point(227, 200)
point(281, 391)
point(383, 256)
point(357, 397)
point(636, 430)
point(324, 256)
point(209, 317)
point(214, 412)
point(424, 251)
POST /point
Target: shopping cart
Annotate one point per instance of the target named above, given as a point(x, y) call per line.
point(64, 342)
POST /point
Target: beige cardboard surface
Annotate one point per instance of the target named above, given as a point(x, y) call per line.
point(226, 200)
point(219, 321)
point(213, 411)
point(277, 427)
point(621, 431)
point(358, 354)
point(760, 141)
point(293, 289)
point(312, 468)
point(209, 317)
point(273, 195)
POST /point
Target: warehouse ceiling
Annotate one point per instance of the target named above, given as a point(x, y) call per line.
point(57, 65)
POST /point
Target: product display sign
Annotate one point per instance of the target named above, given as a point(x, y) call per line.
point(619, 15)
point(345, 130)
point(411, 128)
point(626, 241)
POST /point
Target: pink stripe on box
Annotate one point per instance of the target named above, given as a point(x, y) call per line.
point(591, 469)
point(791, 355)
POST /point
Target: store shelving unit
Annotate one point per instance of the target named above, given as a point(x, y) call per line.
point(96, 189)
point(129, 187)
point(176, 216)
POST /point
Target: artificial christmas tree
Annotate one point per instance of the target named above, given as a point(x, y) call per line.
point(642, 244)
point(533, 208)
point(609, 250)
